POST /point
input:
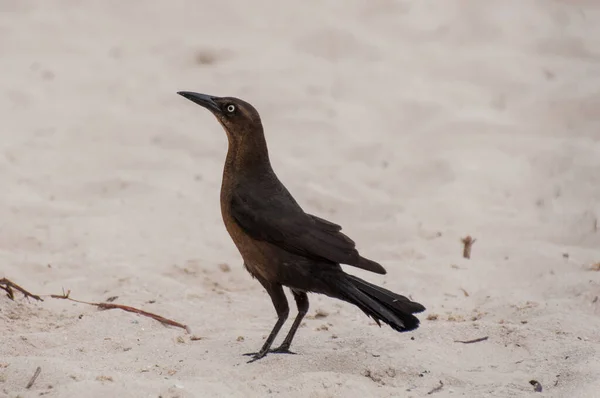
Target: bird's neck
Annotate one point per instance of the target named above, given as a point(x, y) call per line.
point(248, 155)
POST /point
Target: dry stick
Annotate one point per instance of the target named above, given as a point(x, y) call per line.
point(472, 341)
point(7, 286)
point(111, 306)
point(34, 377)
point(468, 243)
point(437, 388)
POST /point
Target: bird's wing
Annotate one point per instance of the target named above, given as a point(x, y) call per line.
point(282, 222)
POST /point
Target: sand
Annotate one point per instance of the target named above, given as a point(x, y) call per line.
point(412, 124)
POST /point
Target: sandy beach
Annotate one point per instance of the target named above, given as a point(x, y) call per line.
point(411, 124)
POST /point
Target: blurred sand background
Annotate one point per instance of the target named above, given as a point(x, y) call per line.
point(412, 124)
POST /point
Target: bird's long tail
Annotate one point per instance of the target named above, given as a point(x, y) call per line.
point(380, 304)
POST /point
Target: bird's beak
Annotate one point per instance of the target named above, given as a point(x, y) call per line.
point(204, 100)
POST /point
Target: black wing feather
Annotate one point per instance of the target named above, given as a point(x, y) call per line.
point(280, 221)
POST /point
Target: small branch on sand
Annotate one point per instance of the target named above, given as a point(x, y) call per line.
point(437, 388)
point(111, 306)
point(33, 378)
point(472, 341)
point(468, 243)
point(8, 287)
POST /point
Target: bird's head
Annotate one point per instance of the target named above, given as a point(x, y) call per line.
point(236, 116)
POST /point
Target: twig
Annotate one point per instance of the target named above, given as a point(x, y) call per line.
point(436, 388)
point(472, 341)
point(468, 243)
point(34, 377)
point(8, 287)
point(111, 306)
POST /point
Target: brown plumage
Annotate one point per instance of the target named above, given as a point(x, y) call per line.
point(281, 244)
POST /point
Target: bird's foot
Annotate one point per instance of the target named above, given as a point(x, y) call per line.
point(258, 355)
point(282, 350)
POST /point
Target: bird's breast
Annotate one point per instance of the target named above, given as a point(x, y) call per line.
point(259, 257)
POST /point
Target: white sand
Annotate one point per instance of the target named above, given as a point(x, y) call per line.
point(412, 124)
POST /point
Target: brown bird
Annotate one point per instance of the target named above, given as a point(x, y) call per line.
point(281, 244)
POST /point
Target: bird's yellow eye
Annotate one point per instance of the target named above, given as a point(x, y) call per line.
point(230, 108)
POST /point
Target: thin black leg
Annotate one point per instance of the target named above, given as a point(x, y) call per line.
point(281, 306)
point(302, 304)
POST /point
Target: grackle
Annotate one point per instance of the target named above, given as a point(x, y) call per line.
point(280, 244)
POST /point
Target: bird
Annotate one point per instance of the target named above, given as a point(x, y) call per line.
point(283, 246)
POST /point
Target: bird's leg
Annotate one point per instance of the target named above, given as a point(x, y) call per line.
point(281, 306)
point(302, 304)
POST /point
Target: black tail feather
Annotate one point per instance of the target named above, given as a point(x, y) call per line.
point(380, 304)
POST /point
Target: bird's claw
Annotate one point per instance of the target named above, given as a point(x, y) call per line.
point(251, 354)
point(258, 355)
point(282, 350)
point(255, 356)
